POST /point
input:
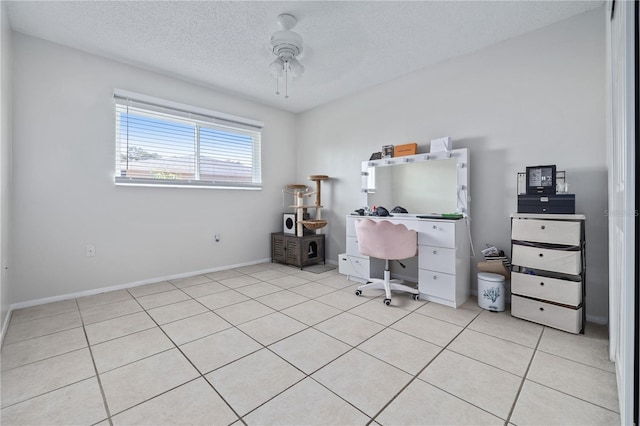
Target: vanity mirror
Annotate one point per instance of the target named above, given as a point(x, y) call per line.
point(422, 184)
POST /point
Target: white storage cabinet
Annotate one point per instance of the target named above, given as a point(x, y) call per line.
point(549, 269)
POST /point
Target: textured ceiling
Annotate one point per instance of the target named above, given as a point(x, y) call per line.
point(349, 45)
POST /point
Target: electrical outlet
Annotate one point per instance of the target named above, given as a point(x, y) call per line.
point(91, 250)
point(216, 238)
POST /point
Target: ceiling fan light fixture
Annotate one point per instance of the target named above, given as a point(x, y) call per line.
point(297, 69)
point(277, 68)
point(286, 45)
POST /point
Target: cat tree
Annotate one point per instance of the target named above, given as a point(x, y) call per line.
point(300, 192)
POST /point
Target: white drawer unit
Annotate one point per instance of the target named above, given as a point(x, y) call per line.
point(437, 259)
point(560, 317)
point(564, 260)
point(352, 247)
point(354, 266)
point(549, 269)
point(561, 291)
point(547, 231)
point(437, 233)
point(436, 286)
point(443, 261)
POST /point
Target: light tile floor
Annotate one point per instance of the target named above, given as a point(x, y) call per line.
point(270, 344)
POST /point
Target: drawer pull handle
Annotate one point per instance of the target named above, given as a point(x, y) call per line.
point(541, 308)
point(435, 252)
point(541, 255)
point(435, 277)
point(435, 227)
point(542, 227)
point(542, 284)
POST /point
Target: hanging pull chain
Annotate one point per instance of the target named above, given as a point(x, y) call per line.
point(286, 80)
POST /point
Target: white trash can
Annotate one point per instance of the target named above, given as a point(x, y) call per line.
point(491, 291)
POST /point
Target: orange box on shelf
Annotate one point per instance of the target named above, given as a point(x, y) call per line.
point(406, 149)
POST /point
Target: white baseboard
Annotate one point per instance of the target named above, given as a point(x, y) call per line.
point(35, 302)
point(76, 295)
point(5, 326)
point(597, 320)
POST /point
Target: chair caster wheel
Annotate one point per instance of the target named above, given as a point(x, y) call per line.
point(387, 302)
point(358, 292)
point(416, 297)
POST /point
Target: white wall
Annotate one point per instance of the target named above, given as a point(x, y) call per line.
point(534, 99)
point(64, 192)
point(6, 91)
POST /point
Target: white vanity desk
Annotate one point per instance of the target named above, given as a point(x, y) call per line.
point(442, 262)
point(442, 266)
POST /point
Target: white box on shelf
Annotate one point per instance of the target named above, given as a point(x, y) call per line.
point(441, 144)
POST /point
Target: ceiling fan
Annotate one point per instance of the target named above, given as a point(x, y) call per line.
point(286, 45)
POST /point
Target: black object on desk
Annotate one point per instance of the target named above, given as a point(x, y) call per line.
point(549, 204)
point(450, 216)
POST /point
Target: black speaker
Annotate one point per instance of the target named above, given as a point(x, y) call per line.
point(289, 223)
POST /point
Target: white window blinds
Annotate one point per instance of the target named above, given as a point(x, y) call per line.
point(164, 143)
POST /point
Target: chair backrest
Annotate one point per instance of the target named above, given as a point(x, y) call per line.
point(385, 240)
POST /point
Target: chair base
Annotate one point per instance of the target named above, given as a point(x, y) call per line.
point(387, 284)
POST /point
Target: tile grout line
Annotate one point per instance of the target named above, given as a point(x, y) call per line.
point(415, 377)
point(95, 368)
point(536, 349)
point(24, 321)
point(42, 335)
point(231, 325)
point(352, 347)
point(456, 396)
point(524, 377)
point(339, 356)
point(262, 346)
point(495, 337)
point(577, 362)
point(201, 375)
point(45, 358)
point(235, 289)
point(83, 324)
point(306, 375)
point(573, 396)
point(308, 327)
point(267, 347)
point(371, 419)
point(49, 391)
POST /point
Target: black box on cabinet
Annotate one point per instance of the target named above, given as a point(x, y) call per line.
point(549, 204)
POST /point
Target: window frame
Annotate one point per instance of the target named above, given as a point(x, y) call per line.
point(198, 118)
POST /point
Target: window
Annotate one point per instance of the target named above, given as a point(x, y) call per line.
point(164, 143)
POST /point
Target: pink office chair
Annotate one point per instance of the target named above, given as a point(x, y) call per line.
point(384, 240)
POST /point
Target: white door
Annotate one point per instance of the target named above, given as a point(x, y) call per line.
point(621, 212)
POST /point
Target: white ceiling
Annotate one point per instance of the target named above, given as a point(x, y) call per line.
point(349, 45)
